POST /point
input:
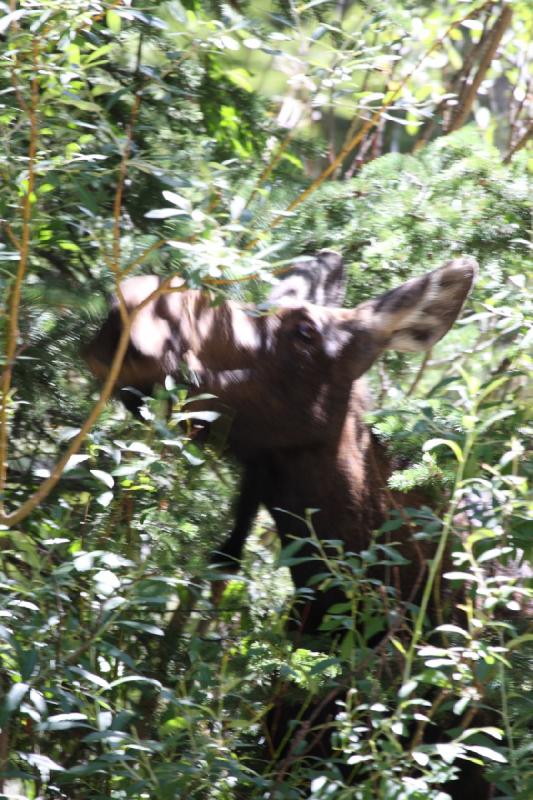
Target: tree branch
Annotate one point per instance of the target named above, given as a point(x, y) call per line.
point(519, 144)
point(24, 251)
point(468, 95)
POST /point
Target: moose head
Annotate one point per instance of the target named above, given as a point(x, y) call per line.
point(287, 374)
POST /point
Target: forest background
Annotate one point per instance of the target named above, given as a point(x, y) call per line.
point(220, 141)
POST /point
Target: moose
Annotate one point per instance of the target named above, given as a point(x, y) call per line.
point(292, 379)
point(290, 374)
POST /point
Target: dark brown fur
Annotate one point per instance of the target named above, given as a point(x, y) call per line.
point(291, 379)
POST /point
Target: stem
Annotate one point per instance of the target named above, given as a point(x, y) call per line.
point(114, 263)
point(422, 725)
point(420, 371)
point(519, 144)
point(437, 559)
point(274, 161)
point(4, 752)
point(127, 319)
point(24, 250)
point(470, 92)
point(507, 720)
point(47, 485)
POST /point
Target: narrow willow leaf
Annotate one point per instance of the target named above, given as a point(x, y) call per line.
point(454, 447)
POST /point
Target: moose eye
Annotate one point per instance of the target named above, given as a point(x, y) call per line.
point(305, 330)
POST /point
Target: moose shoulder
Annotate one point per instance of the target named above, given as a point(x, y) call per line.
point(291, 377)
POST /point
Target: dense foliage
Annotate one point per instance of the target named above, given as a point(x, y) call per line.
point(220, 141)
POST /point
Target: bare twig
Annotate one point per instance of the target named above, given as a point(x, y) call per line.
point(457, 84)
point(420, 371)
point(47, 485)
point(421, 727)
point(468, 95)
point(15, 241)
point(24, 251)
point(274, 161)
point(143, 256)
point(119, 191)
point(4, 752)
point(519, 105)
point(14, 77)
point(304, 729)
point(519, 144)
point(127, 319)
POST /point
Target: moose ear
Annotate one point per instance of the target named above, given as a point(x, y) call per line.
point(320, 280)
point(417, 314)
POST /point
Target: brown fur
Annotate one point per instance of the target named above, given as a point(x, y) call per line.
point(292, 381)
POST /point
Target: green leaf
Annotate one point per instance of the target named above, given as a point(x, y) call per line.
point(205, 416)
point(486, 752)
point(449, 752)
point(519, 641)
point(453, 629)
point(143, 627)
point(135, 679)
point(421, 758)
point(241, 78)
point(63, 722)
point(178, 200)
point(459, 576)
point(9, 19)
point(43, 764)
point(392, 525)
point(323, 665)
point(165, 213)
point(193, 454)
point(407, 688)
point(73, 53)
point(105, 477)
point(15, 696)
point(105, 499)
point(494, 552)
point(454, 447)
point(113, 21)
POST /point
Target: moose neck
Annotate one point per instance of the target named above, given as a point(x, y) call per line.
point(343, 478)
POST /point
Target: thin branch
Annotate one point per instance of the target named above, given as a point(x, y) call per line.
point(47, 485)
point(300, 735)
point(421, 727)
point(14, 79)
point(127, 319)
point(274, 161)
point(24, 250)
point(15, 241)
point(468, 95)
point(4, 752)
point(355, 123)
point(515, 116)
point(519, 144)
point(457, 84)
point(123, 169)
point(144, 255)
point(420, 371)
